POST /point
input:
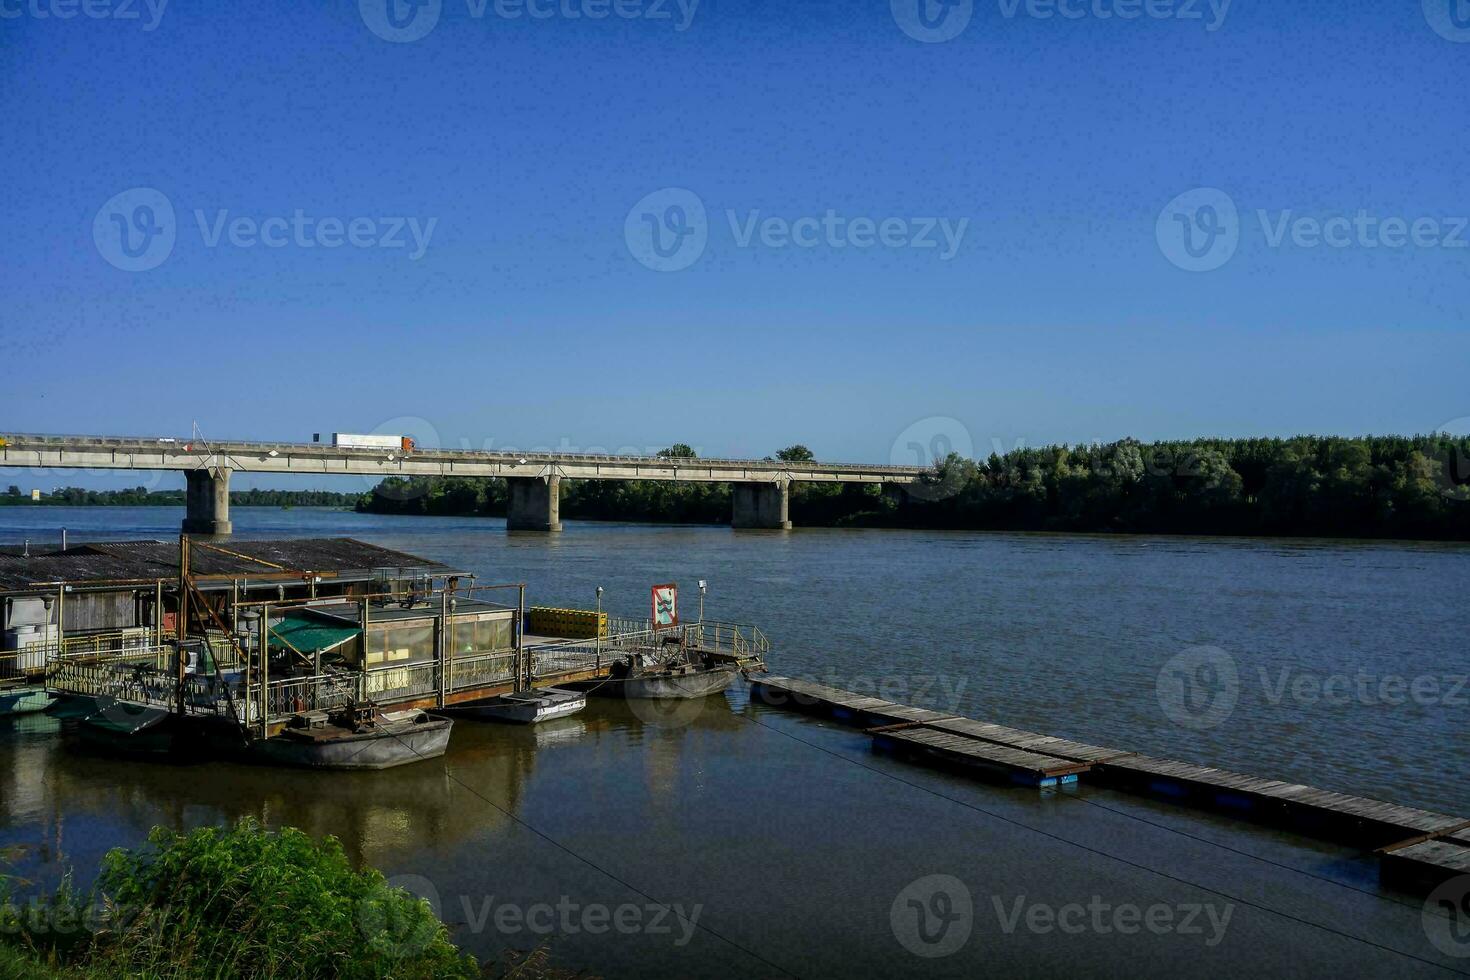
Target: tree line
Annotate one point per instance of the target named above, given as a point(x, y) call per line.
point(1376, 486)
point(143, 497)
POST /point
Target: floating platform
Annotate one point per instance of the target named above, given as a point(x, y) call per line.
point(1427, 863)
point(1017, 765)
point(1417, 846)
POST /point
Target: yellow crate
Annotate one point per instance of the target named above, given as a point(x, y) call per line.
point(569, 623)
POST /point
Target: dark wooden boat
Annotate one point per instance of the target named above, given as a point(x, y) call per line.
point(357, 737)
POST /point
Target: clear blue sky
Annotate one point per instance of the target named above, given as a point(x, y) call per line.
point(529, 321)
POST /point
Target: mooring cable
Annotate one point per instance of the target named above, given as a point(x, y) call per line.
point(1115, 857)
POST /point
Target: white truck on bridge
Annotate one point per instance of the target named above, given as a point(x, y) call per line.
point(352, 440)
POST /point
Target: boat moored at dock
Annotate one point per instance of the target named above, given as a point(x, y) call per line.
point(358, 737)
point(525, 707)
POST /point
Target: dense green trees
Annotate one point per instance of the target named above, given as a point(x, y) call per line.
point(143, 497)
point(1411, 487)
point(1390, 486)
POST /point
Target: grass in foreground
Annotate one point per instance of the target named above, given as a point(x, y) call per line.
point(244, 902)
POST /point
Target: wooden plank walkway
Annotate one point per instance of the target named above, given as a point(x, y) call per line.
point(1027, 768)
point(1422, 843)
point(1304, 807)
point(1030, 741)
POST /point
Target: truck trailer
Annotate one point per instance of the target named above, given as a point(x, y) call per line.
point(353, 440)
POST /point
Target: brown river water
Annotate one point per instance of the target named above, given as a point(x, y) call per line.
point(731, 838)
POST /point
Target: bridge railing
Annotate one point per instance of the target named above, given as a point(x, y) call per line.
point(202, 448)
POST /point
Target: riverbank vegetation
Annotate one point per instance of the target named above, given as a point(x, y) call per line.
point(1374, 487)
point(242, 902)
point(143, 497)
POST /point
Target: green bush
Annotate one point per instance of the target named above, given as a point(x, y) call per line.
point(247, 902)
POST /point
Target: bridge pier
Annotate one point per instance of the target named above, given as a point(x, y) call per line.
point(534, 503)
point(207, 501)
point(761, 505)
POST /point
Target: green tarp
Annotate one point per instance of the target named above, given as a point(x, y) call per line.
point(310, 635)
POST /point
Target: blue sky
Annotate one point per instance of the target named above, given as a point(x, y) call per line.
point(532, 152)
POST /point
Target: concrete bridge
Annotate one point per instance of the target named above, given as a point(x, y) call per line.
point(760, 489)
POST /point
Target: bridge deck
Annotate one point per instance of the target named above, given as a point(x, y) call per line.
point(166, 453)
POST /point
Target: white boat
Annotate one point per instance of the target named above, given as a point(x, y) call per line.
point(526, 707)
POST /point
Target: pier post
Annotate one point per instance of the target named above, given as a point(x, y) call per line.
point(534, 503)
point(761, 505)
point(207, 501)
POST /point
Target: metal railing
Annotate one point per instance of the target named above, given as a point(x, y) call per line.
point(319, 692)
point(32, 442)
point(482, 671)
point(144, 676)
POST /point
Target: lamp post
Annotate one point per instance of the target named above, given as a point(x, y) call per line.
point(703, 587)
point(597, 629)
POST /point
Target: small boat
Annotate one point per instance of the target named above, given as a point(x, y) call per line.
point(636, 677)
point(132, 729)
point(357, 737)
point(526, 707)
point(23, 700)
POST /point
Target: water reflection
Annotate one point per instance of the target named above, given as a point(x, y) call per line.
point(50, 776)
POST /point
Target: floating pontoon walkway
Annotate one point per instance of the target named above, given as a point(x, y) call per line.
point(1418, 846)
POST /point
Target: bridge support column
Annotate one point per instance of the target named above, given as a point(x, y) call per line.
point(761, 505)
point(207, 501)
point(534, 503)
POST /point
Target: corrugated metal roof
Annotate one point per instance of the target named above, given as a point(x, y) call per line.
point(126, 560)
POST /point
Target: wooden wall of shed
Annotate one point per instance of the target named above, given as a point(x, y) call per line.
point(87, 612)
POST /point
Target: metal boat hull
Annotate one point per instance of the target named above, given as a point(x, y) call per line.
point(697, 684)
point(381, 749)
point(24, 701)
point(526, 709)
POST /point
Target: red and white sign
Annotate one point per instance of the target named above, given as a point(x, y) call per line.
point(665, 606)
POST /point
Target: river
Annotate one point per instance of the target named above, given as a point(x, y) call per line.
point(1339, 664)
